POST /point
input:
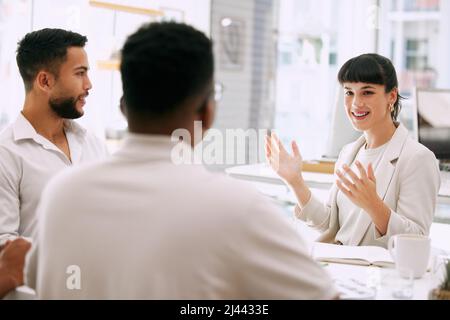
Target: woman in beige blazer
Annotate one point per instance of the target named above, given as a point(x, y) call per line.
point(386, 183)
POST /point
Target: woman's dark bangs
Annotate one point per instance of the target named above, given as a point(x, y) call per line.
point(362, 70)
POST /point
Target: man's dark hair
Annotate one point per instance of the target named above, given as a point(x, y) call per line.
point(163, 64)
point(45, 49)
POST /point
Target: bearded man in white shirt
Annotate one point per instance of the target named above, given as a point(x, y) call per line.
point(144, 227)
point(44, 140)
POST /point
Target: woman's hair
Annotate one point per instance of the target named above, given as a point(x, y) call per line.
point(372, 68)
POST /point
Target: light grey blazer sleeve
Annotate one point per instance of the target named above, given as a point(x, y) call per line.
point(417, 189)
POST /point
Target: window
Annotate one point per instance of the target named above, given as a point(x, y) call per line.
point(318, 36)
point(421, 5)
point(416, 36)
point(416, 54)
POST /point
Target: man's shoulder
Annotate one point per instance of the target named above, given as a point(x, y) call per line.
point(222, 183)
point(7, 136)
point(8, 145)
point(236, 197)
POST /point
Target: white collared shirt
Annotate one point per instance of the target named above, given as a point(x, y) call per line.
point(147, 228)
point(27, 162)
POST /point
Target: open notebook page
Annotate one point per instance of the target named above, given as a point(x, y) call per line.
point(364, 255)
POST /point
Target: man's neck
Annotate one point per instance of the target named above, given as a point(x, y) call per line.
point(160, 126)
point(43, 120)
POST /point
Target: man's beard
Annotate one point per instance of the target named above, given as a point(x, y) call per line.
point(65, 107)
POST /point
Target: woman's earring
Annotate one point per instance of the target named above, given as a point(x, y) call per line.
point(391, 107)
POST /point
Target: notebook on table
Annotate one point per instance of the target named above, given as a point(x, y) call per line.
point(359, 255)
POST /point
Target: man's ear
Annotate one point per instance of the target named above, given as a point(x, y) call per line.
point(45, 81)
point(207, 114)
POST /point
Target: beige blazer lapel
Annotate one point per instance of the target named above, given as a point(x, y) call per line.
point(385, 170)
point(383, 173)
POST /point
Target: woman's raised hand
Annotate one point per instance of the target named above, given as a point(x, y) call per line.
point(287, 166)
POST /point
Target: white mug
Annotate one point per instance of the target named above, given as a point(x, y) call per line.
point(410, 252)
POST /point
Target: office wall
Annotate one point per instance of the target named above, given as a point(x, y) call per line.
point(15, 21)
point(245, 65)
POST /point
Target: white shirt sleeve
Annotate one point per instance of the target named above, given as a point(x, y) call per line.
point(9, 196)
point(275, 259)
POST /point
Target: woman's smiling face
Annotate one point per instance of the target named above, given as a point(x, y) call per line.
point(368, 105)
